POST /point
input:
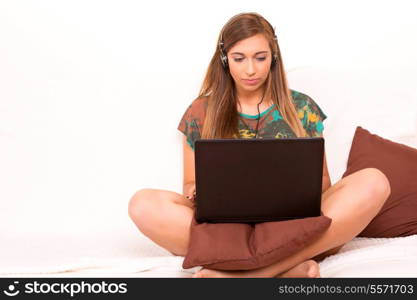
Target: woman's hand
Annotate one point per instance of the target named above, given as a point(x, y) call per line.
point(189, 193)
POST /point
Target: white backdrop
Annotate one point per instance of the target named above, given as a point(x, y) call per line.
point(91, 92)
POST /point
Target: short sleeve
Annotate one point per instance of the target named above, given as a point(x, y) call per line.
point(192, 121)
point(311, 116)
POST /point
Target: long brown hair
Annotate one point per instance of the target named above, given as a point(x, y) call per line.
point(221, 120)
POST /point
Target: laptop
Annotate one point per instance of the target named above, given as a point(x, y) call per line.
point(258, 180)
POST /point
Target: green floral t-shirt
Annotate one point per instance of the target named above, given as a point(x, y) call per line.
point(271, 123)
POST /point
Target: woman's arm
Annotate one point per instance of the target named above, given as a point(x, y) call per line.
point(326, 178)
point(189, 164)
point(189, 171)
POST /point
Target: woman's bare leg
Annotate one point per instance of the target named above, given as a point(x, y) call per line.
point(165, 218)
point(351, 203)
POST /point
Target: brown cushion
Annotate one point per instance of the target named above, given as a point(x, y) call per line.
point(398, 216)
point(240, 246)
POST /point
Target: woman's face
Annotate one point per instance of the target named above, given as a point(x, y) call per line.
point(249, 62)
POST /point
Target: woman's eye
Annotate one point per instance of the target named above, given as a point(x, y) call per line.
point(258, 58)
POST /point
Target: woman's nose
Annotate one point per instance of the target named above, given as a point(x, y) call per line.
point(250, 68)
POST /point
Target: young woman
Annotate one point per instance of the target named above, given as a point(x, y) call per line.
point(245, 95)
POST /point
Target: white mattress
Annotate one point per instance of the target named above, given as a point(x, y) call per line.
point(374, 257)
point(118, 253)
point(130, 254)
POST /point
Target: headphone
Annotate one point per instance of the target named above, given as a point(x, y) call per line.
point(223, 55)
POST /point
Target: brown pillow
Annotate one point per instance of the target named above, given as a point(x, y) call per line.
point(398, 216)
point(240, 246)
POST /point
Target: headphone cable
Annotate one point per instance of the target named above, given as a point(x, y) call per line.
point(259, 115)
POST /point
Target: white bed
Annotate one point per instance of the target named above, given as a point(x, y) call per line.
point(133, 255)
point(349, 98)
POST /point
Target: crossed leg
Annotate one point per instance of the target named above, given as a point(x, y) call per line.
point(352, 203)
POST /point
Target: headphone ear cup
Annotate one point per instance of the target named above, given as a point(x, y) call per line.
point(223, 56)
point(224, 60)
point(274, 60)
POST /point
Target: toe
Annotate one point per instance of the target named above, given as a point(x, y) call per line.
point(313, 270)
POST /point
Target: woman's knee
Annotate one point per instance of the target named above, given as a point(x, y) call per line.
point(377, 182)
point(377, 186)
point(140, 205)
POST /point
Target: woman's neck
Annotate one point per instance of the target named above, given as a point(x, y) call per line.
point(251, 98)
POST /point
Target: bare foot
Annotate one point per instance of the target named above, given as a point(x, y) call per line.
point(307, 269)
point(206, 273)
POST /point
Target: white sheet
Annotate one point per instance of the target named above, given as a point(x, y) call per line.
point(118, 253)
point(130, 254)
point(374, 257)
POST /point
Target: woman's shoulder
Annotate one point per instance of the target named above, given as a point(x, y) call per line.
point(306, 106)
point(200, 102)
point(194, 114)
point(198, 106)
point(309, 113)
point(301, 100)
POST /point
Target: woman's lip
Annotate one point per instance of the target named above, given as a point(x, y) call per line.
point(250, 81)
